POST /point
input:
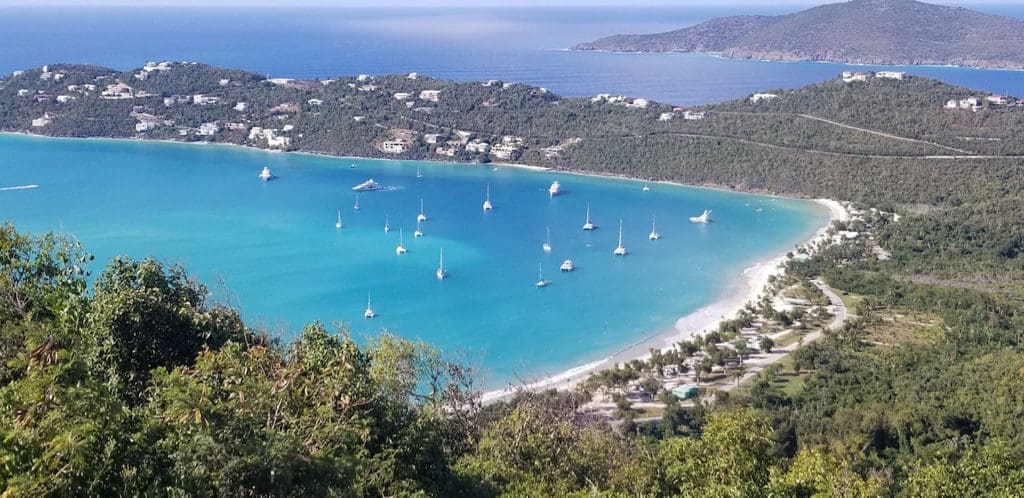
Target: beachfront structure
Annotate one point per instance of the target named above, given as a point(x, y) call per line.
point(144, 126)
point(478, 147)
point(757, 97)
point(505, 151)
point(208, 129)
point(446, 151)
point(431, 138)
point(270, 135)
point(892, 75)
point(41, 121)
point(431, 95)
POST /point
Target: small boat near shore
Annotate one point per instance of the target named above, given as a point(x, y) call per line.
point(620, 250)
point(654, 235)
point(487, 200)
point(555, 188)
point(588, 225)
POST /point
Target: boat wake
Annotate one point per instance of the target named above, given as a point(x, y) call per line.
point(19, 187)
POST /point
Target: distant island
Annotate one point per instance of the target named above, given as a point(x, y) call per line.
point(890, 32)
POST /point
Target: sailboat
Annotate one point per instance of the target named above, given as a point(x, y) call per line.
point(588, 225)
point(487, 201)
point(654, 231)
point(555, 188)
point(547, 242)
point(421, 217)
point(647, 188)
point(418, 232)
point(540, 277)
point(704, 217)
point(418, 174)
point(266, 175)
point(369, 313)
point(401, 243)
point(387, 226)
point(338, 224)
point(441, 272)
point(620, 250)
point(356, 207)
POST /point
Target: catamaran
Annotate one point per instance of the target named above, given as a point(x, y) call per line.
point(547, 242)
point(654, 231)
point(555, 188)
point(621, 249)
point(540, 277)
point(588, 225)
point(369, 309)
point(418, 232)
point(421, 217)
point(568, 265)
point(705, 217)
point(338, 224)
point(387, 226)
point(401, 243)
point(356, 207)
point(647, 188)
point(418, 174)
point(368, 185)
point(487, 200)
point(266, 175)
point(441, 272)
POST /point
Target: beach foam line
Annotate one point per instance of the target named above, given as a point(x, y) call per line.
point(19, 187)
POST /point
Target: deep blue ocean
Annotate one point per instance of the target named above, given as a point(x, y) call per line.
point(511, 44)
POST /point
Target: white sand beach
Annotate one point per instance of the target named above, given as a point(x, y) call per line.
point(747, 287)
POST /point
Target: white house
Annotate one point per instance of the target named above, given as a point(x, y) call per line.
point(445, 151)
point(891, 75)
point(241, 106)
point(315, 102)
point(287, 127)
point(952, 104)
point(972, 103)
point(201, 99)
point(412, 76)
point(504, 151)
point(363, 77)
point(224, 82)
point(477, 147)
point(996, 99)
point(665, 116)
point(393, 147)
point(117, 91)
point(638, 103)
point(63, 99)
point(358, 119)
point(431, 138)
point(693, 115)
point(208, 129)
point(41, 121)
point(757, 97)
point(143, 126)
point(402, 96)
point(850, 77)
point(24, 92)
point(431, 95)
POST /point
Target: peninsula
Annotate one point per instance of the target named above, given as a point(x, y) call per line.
point(891, 32)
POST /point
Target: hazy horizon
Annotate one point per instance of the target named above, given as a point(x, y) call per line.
point(451, 3)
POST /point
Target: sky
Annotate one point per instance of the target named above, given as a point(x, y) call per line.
point(474, 3)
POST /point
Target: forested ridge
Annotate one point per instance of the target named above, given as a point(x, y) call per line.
point(139, 384)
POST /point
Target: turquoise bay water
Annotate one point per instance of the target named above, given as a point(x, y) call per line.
point(276, 249)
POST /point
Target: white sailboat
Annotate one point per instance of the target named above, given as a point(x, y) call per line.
point(369, 313)
point(654, 231)
point(266, 175)
point(401, 243)
point(555, 188)
point(647, 188)
point(338, 224)
point(487, 200)
point(421, 217)
point(441, 272)
point(418, 173)
point(588, 225)
point(704, 217)
point(356, 207)
point(418, 232)
point(621, 249)
point(540, 277)
point(387, 226)
point(547, 242)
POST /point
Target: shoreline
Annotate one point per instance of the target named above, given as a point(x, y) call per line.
point(746, 287)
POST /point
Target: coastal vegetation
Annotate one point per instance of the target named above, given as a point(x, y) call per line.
point(891, 32)
point(137, 384)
